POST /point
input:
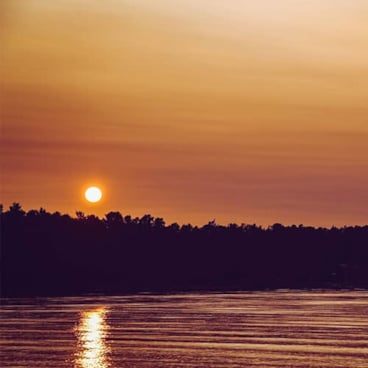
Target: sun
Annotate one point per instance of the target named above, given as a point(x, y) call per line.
point(93, 194)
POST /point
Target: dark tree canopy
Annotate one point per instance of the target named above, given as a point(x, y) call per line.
point(46, 253)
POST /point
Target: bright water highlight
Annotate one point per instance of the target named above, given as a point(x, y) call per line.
point(258, 329)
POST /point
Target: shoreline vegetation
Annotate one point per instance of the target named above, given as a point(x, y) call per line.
point(51, 254)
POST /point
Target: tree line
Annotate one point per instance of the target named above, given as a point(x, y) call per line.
point(46, 253)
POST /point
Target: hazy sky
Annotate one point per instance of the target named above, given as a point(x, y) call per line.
point(242, 111)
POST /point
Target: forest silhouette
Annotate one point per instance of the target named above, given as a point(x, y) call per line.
point(46, 253)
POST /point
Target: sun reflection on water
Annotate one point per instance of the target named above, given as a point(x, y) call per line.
point(91, 333)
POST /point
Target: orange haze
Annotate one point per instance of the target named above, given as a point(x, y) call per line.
point(243, 111)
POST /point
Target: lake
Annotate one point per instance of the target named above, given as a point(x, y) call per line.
point(255, 329)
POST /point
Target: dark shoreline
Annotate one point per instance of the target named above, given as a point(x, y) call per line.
point(3, 298)
point(49, 254)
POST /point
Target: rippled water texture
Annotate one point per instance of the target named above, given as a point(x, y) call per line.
point(263, 329)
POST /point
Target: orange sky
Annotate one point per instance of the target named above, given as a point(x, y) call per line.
point(243, 111)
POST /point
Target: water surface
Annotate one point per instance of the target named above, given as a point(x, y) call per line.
point(259, 329)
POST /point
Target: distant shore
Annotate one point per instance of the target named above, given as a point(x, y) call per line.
point(50, 254)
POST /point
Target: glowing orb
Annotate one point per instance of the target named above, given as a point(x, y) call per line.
point(93, 194)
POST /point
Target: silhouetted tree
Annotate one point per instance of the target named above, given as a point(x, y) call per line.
point(114, 218)
point(45, 254)
point(159, 223)
point(16, 210)
point(80, 215)
point(146, 220)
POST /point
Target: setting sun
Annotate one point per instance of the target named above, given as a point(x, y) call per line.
point(93, 194)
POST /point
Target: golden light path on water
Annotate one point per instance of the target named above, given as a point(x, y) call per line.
point(91, 333)
point(278, 329)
